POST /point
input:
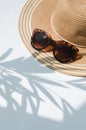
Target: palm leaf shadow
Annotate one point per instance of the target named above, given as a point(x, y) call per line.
point(25, 67)
point(81, 83)
point(45, 91)
point(6, 54)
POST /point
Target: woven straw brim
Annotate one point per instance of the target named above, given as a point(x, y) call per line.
point(38, 14)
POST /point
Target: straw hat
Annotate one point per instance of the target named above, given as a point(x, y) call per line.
point(62, 19)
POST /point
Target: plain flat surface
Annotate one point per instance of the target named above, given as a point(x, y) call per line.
point(31, 95)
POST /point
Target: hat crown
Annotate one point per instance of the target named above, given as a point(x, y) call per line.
point(70, 21)
point(81, 2)
point(78, 5)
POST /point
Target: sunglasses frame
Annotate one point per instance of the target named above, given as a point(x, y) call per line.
point(55, 46)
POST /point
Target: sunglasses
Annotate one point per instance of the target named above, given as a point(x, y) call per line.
point(62, 51)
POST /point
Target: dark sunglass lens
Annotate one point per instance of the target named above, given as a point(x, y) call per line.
point(39, 39)
point(64, 52)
